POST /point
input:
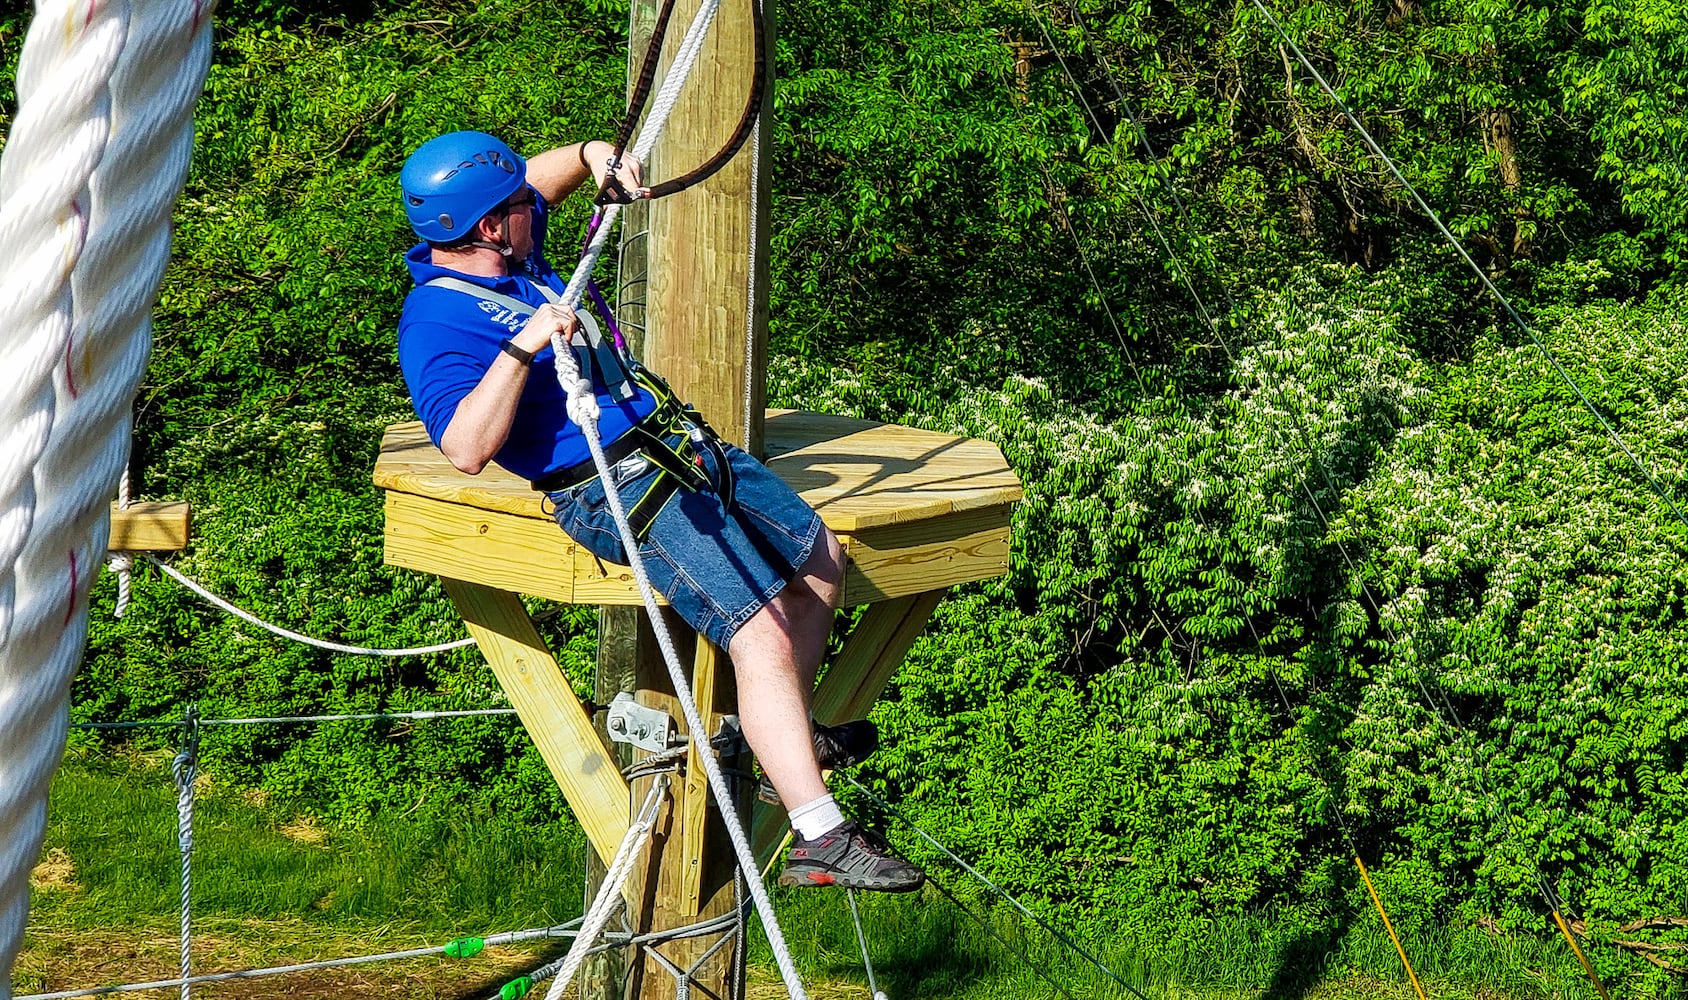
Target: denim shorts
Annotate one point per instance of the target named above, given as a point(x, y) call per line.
point(716, 567)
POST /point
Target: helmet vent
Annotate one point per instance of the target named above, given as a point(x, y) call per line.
point(445, 220)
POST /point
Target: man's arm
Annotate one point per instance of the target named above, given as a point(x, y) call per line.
point(556, 173)
point(481, 423)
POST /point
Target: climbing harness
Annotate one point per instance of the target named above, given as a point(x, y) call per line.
point(674, 437)
point(594, 353)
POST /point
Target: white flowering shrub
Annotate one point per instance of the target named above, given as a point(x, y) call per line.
point(1352, 593)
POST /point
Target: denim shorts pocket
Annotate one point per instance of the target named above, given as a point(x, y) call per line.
point(588, 496)
point(584, 512)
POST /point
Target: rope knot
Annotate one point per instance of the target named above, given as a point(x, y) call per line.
point(583, 404)
point(121, 563)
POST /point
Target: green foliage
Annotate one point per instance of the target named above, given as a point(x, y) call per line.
point(1358, 595)
point(1262, 562)
point(1632, 84)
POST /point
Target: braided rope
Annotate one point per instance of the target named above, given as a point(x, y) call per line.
point(43, 226)
point(183, 769)
point(609, 893)
point(300, 637)
point(121, 563)
point(583, 410)
point(92, 166)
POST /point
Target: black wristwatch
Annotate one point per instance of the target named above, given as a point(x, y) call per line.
point(509, 347)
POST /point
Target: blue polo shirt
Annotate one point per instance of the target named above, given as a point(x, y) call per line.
point(448, 339)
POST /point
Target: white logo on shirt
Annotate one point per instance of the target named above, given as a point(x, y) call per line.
point(511, 319)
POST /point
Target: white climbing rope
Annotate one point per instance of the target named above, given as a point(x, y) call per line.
point(287, 633)
point(96, 155)
point(609, 893)
point(583, 410)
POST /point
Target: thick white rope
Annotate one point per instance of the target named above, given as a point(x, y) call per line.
point(287, 633)
point(43, 229)
point(583, 410)
point(55, 143)
point(96, 156)
point(609, 893)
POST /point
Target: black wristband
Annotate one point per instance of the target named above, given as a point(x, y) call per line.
point(509, 347)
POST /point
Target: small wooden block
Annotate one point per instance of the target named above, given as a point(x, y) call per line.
point(158, 526)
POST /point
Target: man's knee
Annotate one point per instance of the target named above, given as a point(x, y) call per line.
point(825, 568)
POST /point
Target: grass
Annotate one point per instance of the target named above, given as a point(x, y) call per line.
point(923, 946)
point(115, 823)
point(272, 887)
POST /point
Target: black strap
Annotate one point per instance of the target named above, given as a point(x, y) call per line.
point(612, 191)
point(747, 121)
point(643, 513)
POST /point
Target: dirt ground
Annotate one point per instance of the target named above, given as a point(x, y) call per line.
point(57, 959)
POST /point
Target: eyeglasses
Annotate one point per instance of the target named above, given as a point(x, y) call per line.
point(526, 198)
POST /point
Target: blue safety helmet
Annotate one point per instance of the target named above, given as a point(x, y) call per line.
point(451, 181)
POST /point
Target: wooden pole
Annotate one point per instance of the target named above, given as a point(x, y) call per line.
point(699, 336)
point(697, 310)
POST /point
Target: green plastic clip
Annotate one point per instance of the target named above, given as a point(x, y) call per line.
point(515, 989)
point(465, 947)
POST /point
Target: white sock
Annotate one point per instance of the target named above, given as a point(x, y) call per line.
point(815, 817)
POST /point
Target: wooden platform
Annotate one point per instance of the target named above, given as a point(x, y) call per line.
point(916, 511)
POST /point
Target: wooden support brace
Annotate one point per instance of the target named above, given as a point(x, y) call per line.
point(694, 815)
point(859, 673)
point(871, 656)
point(554, 717)
point(154, 526)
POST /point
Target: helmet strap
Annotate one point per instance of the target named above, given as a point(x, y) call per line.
point(509, 249)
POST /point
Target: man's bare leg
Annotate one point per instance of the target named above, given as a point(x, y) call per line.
point(775, 657)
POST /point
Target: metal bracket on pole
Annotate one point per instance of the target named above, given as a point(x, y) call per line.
point(645, 728)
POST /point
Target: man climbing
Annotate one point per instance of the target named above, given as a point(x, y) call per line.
point(733, 550)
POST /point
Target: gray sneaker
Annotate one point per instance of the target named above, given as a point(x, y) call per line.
point(851, 857)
